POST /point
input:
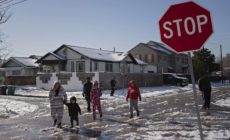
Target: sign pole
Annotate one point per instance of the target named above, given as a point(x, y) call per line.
point(195, 95)
point(123, 76)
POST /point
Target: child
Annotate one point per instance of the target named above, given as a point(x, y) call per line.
point(95, 98)
point(133, 94)
point(73, 108)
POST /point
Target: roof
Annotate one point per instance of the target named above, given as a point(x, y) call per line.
point(140, 62)
point(23, 61)
point(11, 68)
point(160, 49)
point(50, 53)
point(167, 48)
point(35, 56)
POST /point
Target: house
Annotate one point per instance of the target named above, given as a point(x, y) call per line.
point(69, 58)
point(19, 66)
point(161, 56)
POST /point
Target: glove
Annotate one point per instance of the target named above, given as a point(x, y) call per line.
point(83, 94)
point(127, 100)
point(64, 101)
point(140, 99)
point(97, 95)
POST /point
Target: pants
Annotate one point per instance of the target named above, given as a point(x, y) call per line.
point(96, 104)
point(74, 118)
point(112, 91)
point(206, 94)
point(57, 114)
point(133, 103)
point(87, 98)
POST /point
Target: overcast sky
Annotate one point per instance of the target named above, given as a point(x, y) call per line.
point(40, 26)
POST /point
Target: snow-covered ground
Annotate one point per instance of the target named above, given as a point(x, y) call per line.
point(16, 108)
point(119, 95)
point(223, 102)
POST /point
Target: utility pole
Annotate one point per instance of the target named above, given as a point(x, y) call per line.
point(203, 64)
point(221, 66)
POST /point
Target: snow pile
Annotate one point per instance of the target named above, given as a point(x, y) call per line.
point(223, 102)
point(15, 107)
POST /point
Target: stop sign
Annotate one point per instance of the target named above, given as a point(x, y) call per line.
point(186, 26)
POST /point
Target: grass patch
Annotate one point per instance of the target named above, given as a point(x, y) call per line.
point(3, 117)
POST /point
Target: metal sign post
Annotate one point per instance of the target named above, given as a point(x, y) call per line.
point(195, 95)
point(123, 62)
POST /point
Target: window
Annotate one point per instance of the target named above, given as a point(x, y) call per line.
point(159, 58)
point(169, 59)
point(182, 59)
point(142, 69)
point(2, 73)
point(48, 71)
point(137, 57)
point(16, 72)
point(141, 48)
point(149, 58)
point(186, 60)
point(164, 58)
point(95, 66)
point(80, 66)
point(109, 67)
point(178, 58)
point(72, 66)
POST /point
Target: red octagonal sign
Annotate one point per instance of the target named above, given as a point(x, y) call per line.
point(186, 27)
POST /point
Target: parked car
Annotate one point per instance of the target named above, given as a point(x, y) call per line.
point(170, 78)
point(188, 76)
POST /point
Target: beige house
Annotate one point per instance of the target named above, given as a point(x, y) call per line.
point(161, 56)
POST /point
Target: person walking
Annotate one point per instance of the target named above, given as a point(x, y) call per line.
point(86, 92)
point(57, 97)
point(133, 93)
point(95, 97)
point(205, 87)
point(113, 84)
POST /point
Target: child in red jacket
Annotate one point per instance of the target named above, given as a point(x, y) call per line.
point(133, 94)
point(95, 98)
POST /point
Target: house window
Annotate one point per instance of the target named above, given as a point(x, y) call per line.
point(149, 58)
point(164, 58)
point(169, 59)
point(186, 60)
point(47, 71)
point(178, 58)
point(182, 60)
point(109, 67)
point(142, 69)
point(2, 73)
point(16, 72)
point(72, 66)
point(141, 48)
point(95, 66)
point(137, 57)
point(159, 58)
point(80, 66)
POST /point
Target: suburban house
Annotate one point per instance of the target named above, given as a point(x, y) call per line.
point(161, 56)
point(69, 58)
point(20, 66)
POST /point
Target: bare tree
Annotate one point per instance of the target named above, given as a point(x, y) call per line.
point(5, 48)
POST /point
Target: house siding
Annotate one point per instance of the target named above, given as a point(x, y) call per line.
point(29, 71)
point(11, 63)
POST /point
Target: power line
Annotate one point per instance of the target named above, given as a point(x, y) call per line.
point(6, 2)
point(22, 53)
point(13, 4)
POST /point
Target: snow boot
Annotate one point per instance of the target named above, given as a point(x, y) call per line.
point(101, 115)
point(71, 125)
point(138, 113)
point(131, 116)
point(59, 125)
point(55, 121)
point(94, 118)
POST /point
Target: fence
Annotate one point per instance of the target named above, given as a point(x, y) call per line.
point(20, 80)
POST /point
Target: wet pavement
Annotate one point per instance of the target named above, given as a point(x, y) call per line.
point(171, 112)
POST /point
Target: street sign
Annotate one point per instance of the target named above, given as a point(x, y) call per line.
point(186, 26)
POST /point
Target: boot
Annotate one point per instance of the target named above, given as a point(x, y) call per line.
point(55, 121)
point(138, 113)
point(101, 115)
point(59, 125)
point(94, 118)
point(71, 125)
point(131, 116)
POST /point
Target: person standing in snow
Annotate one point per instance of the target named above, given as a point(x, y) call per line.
point(133, 94)
point(73, 109)
point(113, 84)
point(205, 87)
point(86, 92)
point(57, 97)
point(95, 98)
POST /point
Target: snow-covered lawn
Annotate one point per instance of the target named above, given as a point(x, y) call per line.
point(145, 91)
point(223, 102)
point(18, 108)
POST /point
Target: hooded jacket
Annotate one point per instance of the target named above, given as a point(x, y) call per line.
point(73, 108)
point(204, 84)
point(57, 101)
point(133, 92)
point(95, 92)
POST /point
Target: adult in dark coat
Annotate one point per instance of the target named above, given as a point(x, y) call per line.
point(205, 87)
point(86, 92)
point(113, 84)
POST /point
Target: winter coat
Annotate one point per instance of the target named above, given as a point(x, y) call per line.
point(73, 108)
point(95, 93)
point(57, 101)
point(133, 92)
point(204, 84)
point(113, 83)
point(87, 88)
